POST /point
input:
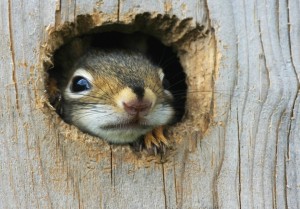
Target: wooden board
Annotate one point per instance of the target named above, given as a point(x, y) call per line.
point(248, 158)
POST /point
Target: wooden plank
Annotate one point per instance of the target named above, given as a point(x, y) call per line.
point(249, 158)
point(292, 156)
point(21, 172)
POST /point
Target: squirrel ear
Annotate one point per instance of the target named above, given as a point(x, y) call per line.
point(161, 74)
point(79, 46)
point(69, 53)
point(136, 42)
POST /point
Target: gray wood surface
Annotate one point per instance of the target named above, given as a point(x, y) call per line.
point(248, 158)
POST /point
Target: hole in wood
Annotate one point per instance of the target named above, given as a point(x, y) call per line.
point(118, 86)
point(72, 80)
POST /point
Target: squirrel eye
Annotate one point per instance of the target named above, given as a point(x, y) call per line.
point(79, 84)
point(166, 83)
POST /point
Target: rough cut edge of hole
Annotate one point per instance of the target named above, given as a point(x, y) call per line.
point(168, 29)
point(180, 34)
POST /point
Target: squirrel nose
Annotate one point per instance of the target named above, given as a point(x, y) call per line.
point(137, 107)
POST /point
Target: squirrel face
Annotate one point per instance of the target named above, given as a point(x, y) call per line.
point(116, 95)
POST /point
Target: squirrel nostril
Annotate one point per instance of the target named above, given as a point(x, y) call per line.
point(137, 107)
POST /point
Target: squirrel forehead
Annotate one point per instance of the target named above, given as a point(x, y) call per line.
point(126, 67)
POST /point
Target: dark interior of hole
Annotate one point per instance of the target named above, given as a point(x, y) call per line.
point(158, 53)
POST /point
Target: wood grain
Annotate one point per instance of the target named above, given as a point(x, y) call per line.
point(249, 157)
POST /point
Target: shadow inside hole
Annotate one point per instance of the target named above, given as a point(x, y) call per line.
point(157, 52)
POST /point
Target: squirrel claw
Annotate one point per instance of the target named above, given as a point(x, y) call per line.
point(155, 141)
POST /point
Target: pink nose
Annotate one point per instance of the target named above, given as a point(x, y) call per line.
point(137, 107)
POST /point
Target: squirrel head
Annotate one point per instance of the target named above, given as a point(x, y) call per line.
point(118, 95)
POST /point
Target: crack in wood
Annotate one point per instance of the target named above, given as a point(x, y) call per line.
point(164, 185)
point(119, 10)
point(12, 48)
point(57, 12)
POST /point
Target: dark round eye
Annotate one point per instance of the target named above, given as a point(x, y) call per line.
point(166, 83)
point(79, 84)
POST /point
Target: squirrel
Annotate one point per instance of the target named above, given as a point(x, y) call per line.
point(118, 95)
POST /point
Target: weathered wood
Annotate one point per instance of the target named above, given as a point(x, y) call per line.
point(249, 157)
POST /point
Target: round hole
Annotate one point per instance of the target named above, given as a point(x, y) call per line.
point(165, 41)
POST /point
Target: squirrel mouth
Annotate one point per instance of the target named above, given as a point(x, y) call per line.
point(124, 126)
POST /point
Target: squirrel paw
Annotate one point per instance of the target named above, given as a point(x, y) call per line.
point(155, 141)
